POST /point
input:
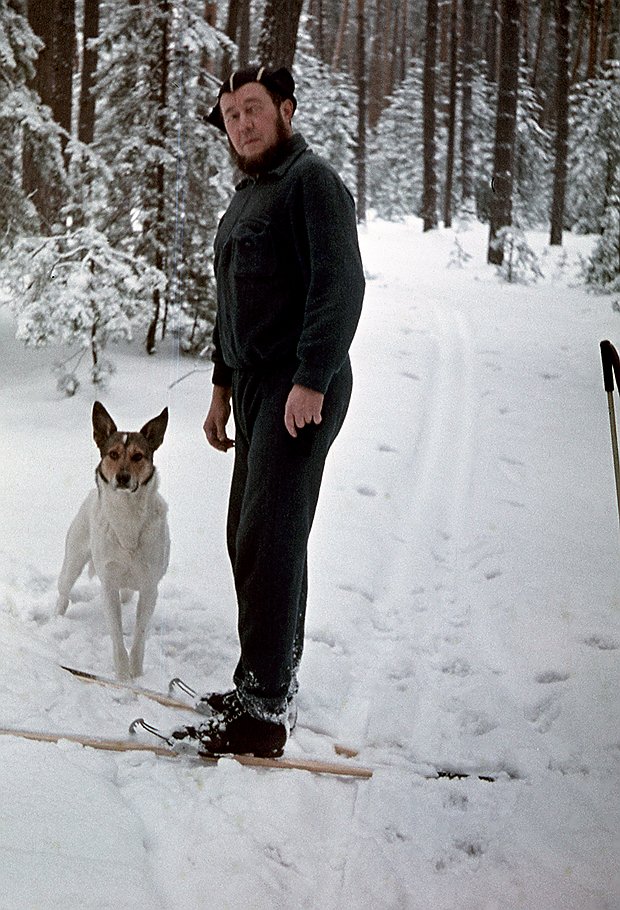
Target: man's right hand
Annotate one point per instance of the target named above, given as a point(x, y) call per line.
point(217, 418)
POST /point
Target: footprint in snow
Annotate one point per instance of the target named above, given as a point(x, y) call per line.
point(602, 643)
point(474, 723)
point(543, 714)
point(457, 667)
point(552, 676)
point(366, 491)
point(353, 589)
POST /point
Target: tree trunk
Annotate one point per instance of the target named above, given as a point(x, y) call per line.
point(63, 54)
point(159, 228)
point(278, 34)
point(376, 65)
point(317, 27)
point(403, 55)
point(361, 112)
point(579, 46)
point(243, 41)
point(342, 27)
point(606, 29)
point(447, 204)
point(593, 43)
point(41, 189)
point(86, 115)
point(505, 129)
point(543, 20)
point(562, 90)
point(491, 42)
point(467, 117)
point(429, 193)
point(525, 29)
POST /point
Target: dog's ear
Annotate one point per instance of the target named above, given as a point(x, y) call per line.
point(103, 425)
point(154, 430)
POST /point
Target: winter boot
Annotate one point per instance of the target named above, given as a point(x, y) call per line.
point(218, 703)
point(234, 731)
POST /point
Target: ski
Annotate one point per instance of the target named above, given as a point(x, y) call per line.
point(314, 766)
point(162, 699)
point(188, 701)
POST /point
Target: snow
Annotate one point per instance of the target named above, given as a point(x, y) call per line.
point(464, 615)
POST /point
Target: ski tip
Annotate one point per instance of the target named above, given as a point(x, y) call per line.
point(136, 725)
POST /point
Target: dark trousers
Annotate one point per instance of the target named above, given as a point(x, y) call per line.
point(274, 493)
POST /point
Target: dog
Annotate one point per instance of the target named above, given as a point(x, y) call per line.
point(121, 529)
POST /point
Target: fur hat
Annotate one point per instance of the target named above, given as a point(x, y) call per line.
point(279, 81)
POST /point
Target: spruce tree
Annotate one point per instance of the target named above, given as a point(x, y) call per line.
point(594, 149)
point(22, 119)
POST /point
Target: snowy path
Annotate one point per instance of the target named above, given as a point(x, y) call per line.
point(464, 615)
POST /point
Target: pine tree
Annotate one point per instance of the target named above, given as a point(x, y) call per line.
point(602, 270)
point(429, 192)
point(76, 290)
point(594, 149)
point(327, 115)
point(18, 51)
point(532, 160)
point(505, 131)
point(166, 165)
point(396, 152)
point(562, 93)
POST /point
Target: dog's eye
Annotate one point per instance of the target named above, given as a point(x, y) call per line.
point(114, 456)
point(137, 457)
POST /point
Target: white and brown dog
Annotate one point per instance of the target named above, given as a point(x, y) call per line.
point(122, 529)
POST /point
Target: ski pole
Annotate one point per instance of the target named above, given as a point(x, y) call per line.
point(611, 365)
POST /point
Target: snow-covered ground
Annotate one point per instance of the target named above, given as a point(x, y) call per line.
point(464, 615)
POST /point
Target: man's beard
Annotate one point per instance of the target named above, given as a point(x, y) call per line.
point(268, 159)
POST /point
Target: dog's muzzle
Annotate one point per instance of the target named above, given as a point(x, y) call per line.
point(123, 481)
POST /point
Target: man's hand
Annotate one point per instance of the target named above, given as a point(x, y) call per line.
point(217, 418)
point(303, 406)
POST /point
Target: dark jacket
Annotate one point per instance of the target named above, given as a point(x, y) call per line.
point(290, 281)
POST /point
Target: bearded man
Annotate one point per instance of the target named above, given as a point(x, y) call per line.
point(290, 286)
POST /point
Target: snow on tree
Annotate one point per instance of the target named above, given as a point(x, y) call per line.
point(396, 152)
point(602, 270)
point(594, 149)
point(519, 262)
point(327, 110)
point(76, 289)
point(22, 118)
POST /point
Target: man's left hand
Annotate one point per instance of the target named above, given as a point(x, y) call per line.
point(303, 407)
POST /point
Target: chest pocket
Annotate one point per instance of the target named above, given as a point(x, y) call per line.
point(253, 253)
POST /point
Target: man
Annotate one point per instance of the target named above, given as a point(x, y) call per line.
point(290, 286)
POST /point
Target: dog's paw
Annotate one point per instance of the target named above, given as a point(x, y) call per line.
point(61, 605)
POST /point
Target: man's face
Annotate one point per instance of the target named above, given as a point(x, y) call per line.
point(254, 124)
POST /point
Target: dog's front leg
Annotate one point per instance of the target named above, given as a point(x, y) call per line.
point(112, 600)
point(146, 605)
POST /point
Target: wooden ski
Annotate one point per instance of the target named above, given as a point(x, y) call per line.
point(159, 697)
point(168, 700)
point(314, 766)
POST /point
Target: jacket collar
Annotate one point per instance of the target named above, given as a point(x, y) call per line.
point(295, 147)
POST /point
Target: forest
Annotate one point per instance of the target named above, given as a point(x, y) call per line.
point(112, 182)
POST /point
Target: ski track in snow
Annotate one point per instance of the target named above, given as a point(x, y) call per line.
point(463, 617)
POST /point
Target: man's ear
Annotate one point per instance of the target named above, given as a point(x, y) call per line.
point(288, 109)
